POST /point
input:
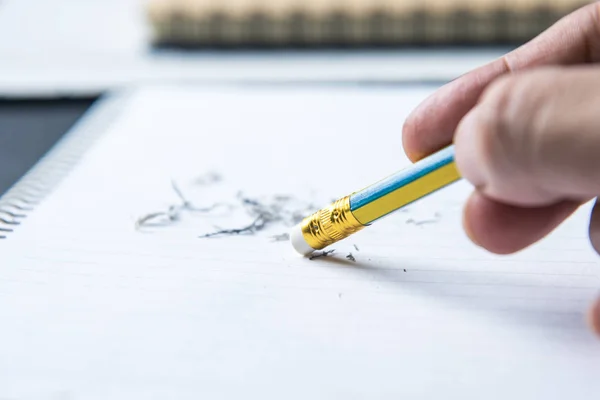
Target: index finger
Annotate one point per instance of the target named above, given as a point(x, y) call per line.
point(575, 39)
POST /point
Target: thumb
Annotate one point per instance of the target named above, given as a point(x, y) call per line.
point(531, 147)
point(534, 138)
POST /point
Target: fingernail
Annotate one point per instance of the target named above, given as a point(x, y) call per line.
point(594, 317)
point(468, 149)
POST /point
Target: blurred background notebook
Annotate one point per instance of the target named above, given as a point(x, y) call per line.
point(351, 23)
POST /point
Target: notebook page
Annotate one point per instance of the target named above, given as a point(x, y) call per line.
point(93, 308)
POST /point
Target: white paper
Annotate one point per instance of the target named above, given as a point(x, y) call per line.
point(93, 309)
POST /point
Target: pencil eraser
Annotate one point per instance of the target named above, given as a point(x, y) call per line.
point(298, 241)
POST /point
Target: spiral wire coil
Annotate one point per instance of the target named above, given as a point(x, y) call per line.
point(25, 195)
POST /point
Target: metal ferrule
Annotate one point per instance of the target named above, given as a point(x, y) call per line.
point(330, 224)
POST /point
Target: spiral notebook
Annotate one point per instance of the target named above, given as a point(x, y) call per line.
point(317, 23)
point(111, 289)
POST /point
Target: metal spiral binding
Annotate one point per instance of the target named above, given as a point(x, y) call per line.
point(200, 23)
point(23, 197)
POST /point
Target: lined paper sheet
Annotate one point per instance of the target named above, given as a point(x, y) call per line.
point(93, 308)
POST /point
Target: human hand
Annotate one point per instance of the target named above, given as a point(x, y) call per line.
point(526, 130)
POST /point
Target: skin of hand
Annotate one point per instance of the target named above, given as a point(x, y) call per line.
point(526, 130)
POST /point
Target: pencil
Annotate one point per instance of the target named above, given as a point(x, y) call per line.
point(352, 213)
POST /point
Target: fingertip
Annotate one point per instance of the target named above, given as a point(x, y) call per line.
point(432, 124)
point(419, 136)
point(467, 224)
point(409, 142)
point(505, 229)
point(483, 224)
point(470, 154)
point(593, 317)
